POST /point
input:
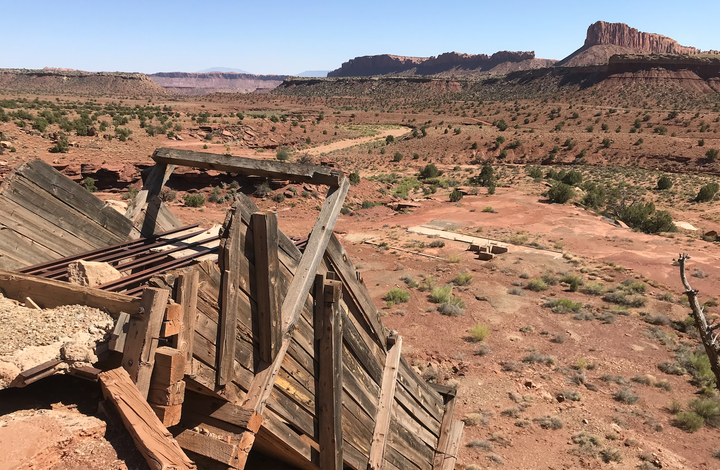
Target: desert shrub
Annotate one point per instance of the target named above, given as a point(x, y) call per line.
point(707, 192)
point(572, 178)
point(215, 194)
point(667, 297)
point(661, 320)
point(455, 196)
point(89, 184)
point(450, 310)
point(61, 146)
point(516, 291)
point(440, 294)
point(282, 154)
point(664, 182)
point(688, 421)
point(708, 409)
point(397, 295)
point(397, 157)
point(560, 193)
point(279, 197)
point(563, 306)
point(625, 395)
point(354, 178)
point(547, 422)
point(457, 301)
point(573, 281)
point(558, 339)
point(620, 297)
point(610, 454)
point(479, 332)
point(593, 288)
point(483, 351)
point(436, 244)
point(672, 368)
point(536, 285)
point(462, 279)
point(131, 193)
point(477, 444)
point(167, 195)
point(194, 200)
point(712, 154)
point(538, 358)
point(535, 173)
point(409, 281)
point(617, 379)
point(572, 395)
point(430, 171)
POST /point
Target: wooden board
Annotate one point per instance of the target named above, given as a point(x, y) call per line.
point(156, 444)
point(385, 403)
point(248, 166)
point(49, 293)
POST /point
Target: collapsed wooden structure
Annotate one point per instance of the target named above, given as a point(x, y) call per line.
point(270, 349)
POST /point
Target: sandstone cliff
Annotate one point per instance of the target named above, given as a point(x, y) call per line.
point(212, 82)
point(449, 63)
point(607, 39)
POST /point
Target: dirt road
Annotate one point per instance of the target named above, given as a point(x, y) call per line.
point(345, 143)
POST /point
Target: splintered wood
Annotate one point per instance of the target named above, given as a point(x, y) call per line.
point(153, 440)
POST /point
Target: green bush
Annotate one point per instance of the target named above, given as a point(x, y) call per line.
point(573, 281)
point(560, 193)
point(573, 178)
point(625, 395)
point(354, 178)
point(194, 200)
point(430, 171)
point(455, 196)
point(664, 182)
point(688, 421)
point(282, 154)
point(89, 184)
point(397, 157)
point(535, 173)
point(440, 294)
point(462, 279)
point(707, 192)
point(712, 154)
point(536, 285)
point(61, 146)
point(479, 332)
point(397, 295)
point(563, 306)
point(593, 288)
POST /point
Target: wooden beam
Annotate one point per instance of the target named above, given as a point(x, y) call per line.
point(222, 410)
point(119, 334)
point(49, 293)
point(142, 338)
point(355, 290)
point(329, 374)
point(186, 295)
point(445, 441)
point(267, 270)
point(156, 179)
point(385, 403)
point(249, 166)
point(230, 261)
point(155, 443)
point(450, 458)
point(210, 447)
point(304, 275)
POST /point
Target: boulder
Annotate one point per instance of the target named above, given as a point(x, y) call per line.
point(91, 273)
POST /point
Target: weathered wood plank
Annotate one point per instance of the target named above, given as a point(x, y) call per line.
point(444, 441)
point(223, 411)
point(49, 293)
point(187, 296)
point(303, 276)
point(248, 166)
point(410, 446)
point(75, 196)
point(328, 353)
point(385, 403)
point(119, 334)
point(450, 458)
point(210, 447)
point(156, 179)
point(142, 338)
point(267, 270)
point(156, 444)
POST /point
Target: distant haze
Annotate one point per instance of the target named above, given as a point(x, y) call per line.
point(313, 73)
point(221, 69)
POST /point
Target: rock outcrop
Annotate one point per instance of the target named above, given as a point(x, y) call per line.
point(187, 83)
point(604, 40)
point(620, 34)
point(75, 82)
point(449, 63)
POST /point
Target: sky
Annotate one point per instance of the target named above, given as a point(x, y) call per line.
point(289, 37)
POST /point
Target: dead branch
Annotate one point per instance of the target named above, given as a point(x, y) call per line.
point(707, 335)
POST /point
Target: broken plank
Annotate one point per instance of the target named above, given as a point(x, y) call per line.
point(267, 270)
point(49, 293)
point(156, 179)
point(142, 338)
point(214, 449)
point(187, 296)
point(223, 411)
point(152, 439)
point(119, 334)
point(249, 166)
point(444, 441)
point(385, 403)
point(450, 458)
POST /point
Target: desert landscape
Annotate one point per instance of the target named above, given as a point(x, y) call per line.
point(519, 222)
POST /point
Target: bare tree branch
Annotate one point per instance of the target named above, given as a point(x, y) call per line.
point(709, 340)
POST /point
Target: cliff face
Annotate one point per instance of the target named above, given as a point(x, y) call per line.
point(447, 63)
point(203, 83)
point(620, 34)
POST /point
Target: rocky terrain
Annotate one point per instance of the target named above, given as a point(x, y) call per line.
point(74, 82)
point(186, 83)
point(449, 63)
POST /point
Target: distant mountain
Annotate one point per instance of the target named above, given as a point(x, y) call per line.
point(187, 83)
point(313, 73)
point(221, 69)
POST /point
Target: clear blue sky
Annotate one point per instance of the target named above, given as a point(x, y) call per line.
point(288, 37)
